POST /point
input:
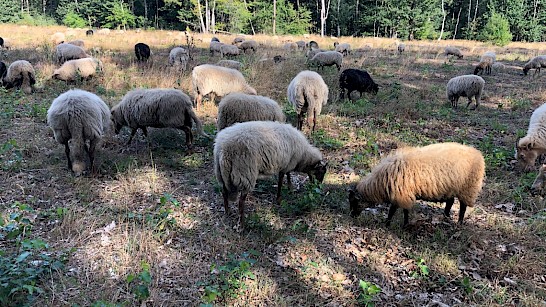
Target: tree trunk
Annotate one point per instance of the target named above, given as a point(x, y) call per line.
point(213, 17)
point(274, 16)
point(207, 16)
point(324, 10)
point(443, 21)
point(338, 19)
point(203, 28)
point(145, 9)
point(457, 24)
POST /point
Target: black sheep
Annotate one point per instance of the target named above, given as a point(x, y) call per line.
point(89, 32)
point(1, 42)
point(356, 80)
point(142, 52)
point(3, 71)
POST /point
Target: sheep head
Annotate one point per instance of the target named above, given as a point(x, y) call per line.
point(526, 70)
point(354, 202)
point(117, 119)
point(317, 171)
point(526, 154)
point(538, 185)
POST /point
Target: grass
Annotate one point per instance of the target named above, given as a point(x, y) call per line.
point(149, 226)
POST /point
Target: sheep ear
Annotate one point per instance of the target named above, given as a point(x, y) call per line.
point(530, 145)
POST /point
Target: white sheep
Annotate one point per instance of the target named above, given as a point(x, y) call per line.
point(438, 172)
point(401, 48)
point(230, 64)
point(533, 144)
point(77, 42)
point(312, 52)
point(249, 45)
point(301, 45)
point(179, 57)
point(157, 108)
point(79, 116)
point(20, 74)
point(465, 86)
point(247, 150)
point(217, 81)
point(229, 50)
point(327, 58)
point(453, 51)
point(57, 38)
point(344, 48)
point(104, 31)
point(66, 52)
point(239, 107)
point(535, 63)
point(81, 68)
point(486, 62)
point(215, 47)
point(307, 92)
point(238, 40)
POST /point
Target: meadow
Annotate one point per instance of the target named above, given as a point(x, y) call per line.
point(148, 227)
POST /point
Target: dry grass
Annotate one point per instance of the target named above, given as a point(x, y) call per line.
point(161, 205)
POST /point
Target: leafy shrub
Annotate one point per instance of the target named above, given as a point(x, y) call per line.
point(497, 30)
point(74, 20)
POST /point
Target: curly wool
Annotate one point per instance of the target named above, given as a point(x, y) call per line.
point(83, 68)
point(532, 145)
point(66, 52)
point(486, 62)
point(344, 48)
point(249, 45)
point(179, 57)
point(20, 74)
point(215, 47)
point(229, 50)
point(230, 64)
point(327, 58)
point(239, 107)
point(465, 86)
point(307, 92)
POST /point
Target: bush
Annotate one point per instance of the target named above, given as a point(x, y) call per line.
point(497, 30)
point(74, 20)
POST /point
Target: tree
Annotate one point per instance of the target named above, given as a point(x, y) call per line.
point(120, 16)
point(497, 30)
point(10, 11)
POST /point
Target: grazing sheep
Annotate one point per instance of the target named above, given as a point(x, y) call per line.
point(238, 40)
point(20, 74)
point(3, 72)
point(465, 86)
point(142, 52)
point(79, 116)
point(453, 51)
point(248, 45)
point(229, 50)
point(80, 68)
point(239, 107)
point(327, 58)
point(533, 144)
point(344, 48)
point(301, 45)
point(214, 39)
point(312, 52)
point(66, 52)
point(217, 81)
point(157, 108)
point(77, 42)
point(179, 57)
point(498, 66)
point(104, 31)
point(356, 80)
point(537, 63)
point(486, 62)
point(307, 92)
point(313, 45)
point(89, 32)
point(278, 58)
point(290, 46)
point(537, 188)
point(230, 64)
point(215, 47)
point(247, 150)
point(438, 173)
point(401, 48)
point(57, 38)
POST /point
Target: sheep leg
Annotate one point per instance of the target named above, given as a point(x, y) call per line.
point(133, 132)
point(406, 217)
point(300, 121)
point(462, 211)
point(242, 199)
point(189, 136)
point(289, 180)
point(198, 101)
point(314, 121)
point(279, 187)
point(469, 102)
point(225, 195)
point(392, 210)
point(145, 132)
point(67, 152)
point(449, 204)
point(91, 153)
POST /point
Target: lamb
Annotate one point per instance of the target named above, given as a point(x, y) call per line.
point(247, 150)
point(537, 188)
point(356, 80)
point(453, 51)
point(77, 42)
point(327, 58)
point(229, 50)
point(66, 52)
point(83, 68)
point(533, 144)
point(215, 47)
point(89, 32)
point(344, 48)
point(158, 108)
point(301, 45)
point(142, 52)
point(230, 64)
point(179, 57)
point(290, 46)
point(537, 63)
point(401, 48)
point(248, 45)
point(217, 81)
point(58, 38)
point(307, 92)
point(20, 74)
point(438, 173)
point(79, 116)
point(239, 107)
point(486, 62)
point(465, 86)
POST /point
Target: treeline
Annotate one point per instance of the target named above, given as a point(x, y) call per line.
point(499, 21)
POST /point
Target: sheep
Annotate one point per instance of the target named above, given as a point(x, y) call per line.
point(158, 108)
point(58, 38)
point(214, 39)
point(486, 62)
point(3, 72)
point(313, 45)
point(453, 51)
point(401, 48)
point(465, 86)
point(327, 58)
point(533, 144)
point(498, 66)
point(77, 42)
point(217, 81)
point(312, 52)
point(179, 57)
point(104, 31)
point(20, 74)
point(290, 46)
point(230, 64)
point(301, 45)
point(537, 63)
point(66, 52)
point(89, 32)
point(307, 92)
point(344, 48)
point(247, 150)
point(215, 47)
point(142, 52)
point(356, 80)
point(438, 173)
point(1, 42)
point(79, 116)
point(229, 50)
point(83, 68)
point(278, 58)
point(248, 45)
point(537, 188)
point(238, 40)
point(239, 107)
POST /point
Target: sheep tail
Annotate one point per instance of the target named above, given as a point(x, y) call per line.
point(198, 124)
point(225, 167)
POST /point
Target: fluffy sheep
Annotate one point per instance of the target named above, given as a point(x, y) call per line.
point(238, 40)
point(77, 42)
point(401, 48)
point(465, 86)
point(215, 47)
point(307, 92)
point(157, 108)
point(344, 48)
point(537, 63)
point(248, 45)
point(529, 147)
point(142, 52)
point(3, 72)
point(301, 45)
point(290, 46)
point(217, 81)
point(58, 38)
point(438, 173)
point(312, 52)
point(230, 64)
point(356, 80)
point(79, 116)
point(537, 188)
point(498, 66)
point(80, 68)
point(229, 50)
point(486, 62)
point(20, 74)
point(453, 51)
point(214, 39)
point(89, 32)
point(239, 107)
point(327, 58)
point(313, 45)
point(103, 31)
point(66, 52)
point(247, 150)
point(179, 57)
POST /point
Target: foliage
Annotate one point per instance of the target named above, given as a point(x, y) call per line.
point(289, 19)
point(497, 30)
point(423, 271)
point(368, 291)
point(140, 283)
point(10, 155)
point(121, 16)
point(10, 11)
point(74, 20)
point(160, 218)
